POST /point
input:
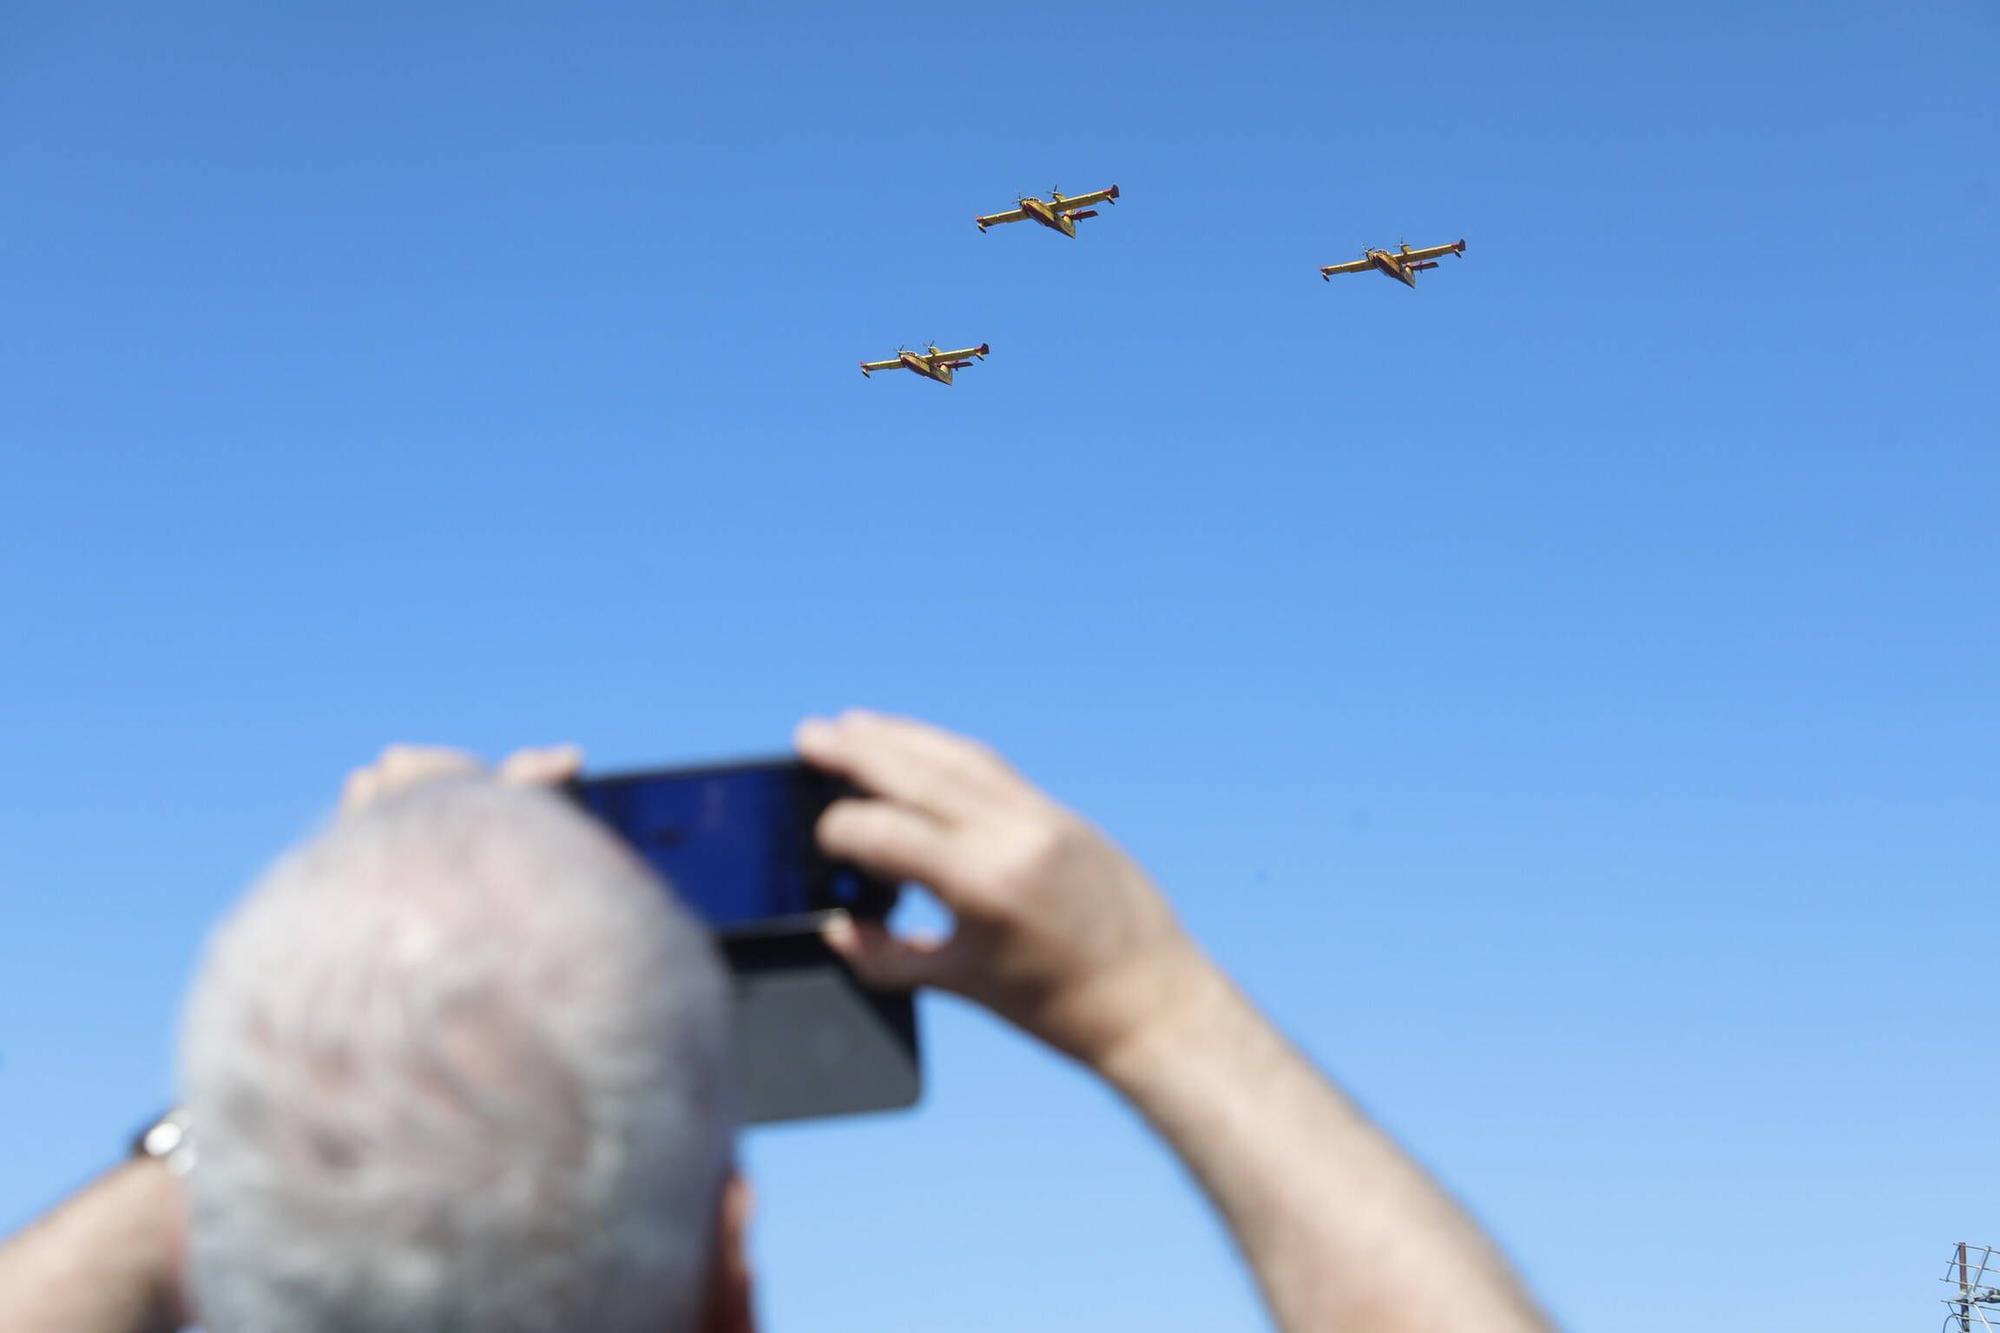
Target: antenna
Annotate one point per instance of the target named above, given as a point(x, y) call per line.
point(1973, 1273)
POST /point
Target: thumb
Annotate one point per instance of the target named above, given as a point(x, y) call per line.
point(549, 766)
point(885, 961)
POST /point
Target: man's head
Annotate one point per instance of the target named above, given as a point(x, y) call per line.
point(458, 1063)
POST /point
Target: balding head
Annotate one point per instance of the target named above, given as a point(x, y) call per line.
point(458, 1063)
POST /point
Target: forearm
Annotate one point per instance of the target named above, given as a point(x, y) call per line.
point(1343, 1230)
point(1060, 932)
point(103, 1262)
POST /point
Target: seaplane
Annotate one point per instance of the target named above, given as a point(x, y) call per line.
point(1403, 265)
point(930, 363)
point(1059, 212)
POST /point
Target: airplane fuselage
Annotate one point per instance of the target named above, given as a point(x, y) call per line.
point(1390, 264)
point(938, 370)
point(1049, 217)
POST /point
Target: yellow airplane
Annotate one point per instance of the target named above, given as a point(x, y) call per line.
point(1402, 265)
point(1059, 212)
point(931, 364)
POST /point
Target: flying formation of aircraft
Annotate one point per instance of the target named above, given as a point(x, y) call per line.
point(1403, 265)
point(1059, 212)
point(931, 363)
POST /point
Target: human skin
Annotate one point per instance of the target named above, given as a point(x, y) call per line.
point(1061, 933)
point(1057, 931)
point(108, 1260)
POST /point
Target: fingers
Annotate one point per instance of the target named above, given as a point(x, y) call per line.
point(885, 961)
point(544, 766)
point(889, 841)
point(970, 760)
point(401, 767)
point(875, 757)
point(944, 775)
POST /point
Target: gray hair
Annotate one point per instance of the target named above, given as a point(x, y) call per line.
point(459, 1063)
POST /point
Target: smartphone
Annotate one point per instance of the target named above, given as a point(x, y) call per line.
point(736, 842)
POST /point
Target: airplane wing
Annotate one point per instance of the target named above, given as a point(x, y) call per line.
point(995, 219)
point(1432, 252)
point(1358, 266)
point(895, 364)
point(960, 355)
point(1084, 200)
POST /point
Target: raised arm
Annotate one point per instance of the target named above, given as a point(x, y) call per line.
point(1065, 936)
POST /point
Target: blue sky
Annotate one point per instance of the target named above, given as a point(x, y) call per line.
point(1565, 693)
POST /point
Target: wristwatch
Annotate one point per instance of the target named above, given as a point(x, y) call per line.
point(167, 1141)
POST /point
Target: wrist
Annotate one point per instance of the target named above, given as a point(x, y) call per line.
point(1187, 1015)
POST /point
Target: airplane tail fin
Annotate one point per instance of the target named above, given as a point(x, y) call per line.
point(1081, 214)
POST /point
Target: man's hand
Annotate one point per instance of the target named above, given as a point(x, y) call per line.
point(1060, 932)
point(401, 767)
point(1057, 930)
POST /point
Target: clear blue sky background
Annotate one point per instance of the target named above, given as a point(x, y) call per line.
point(1566, 693)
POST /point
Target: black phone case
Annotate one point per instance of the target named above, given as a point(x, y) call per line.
point(810, 1039)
